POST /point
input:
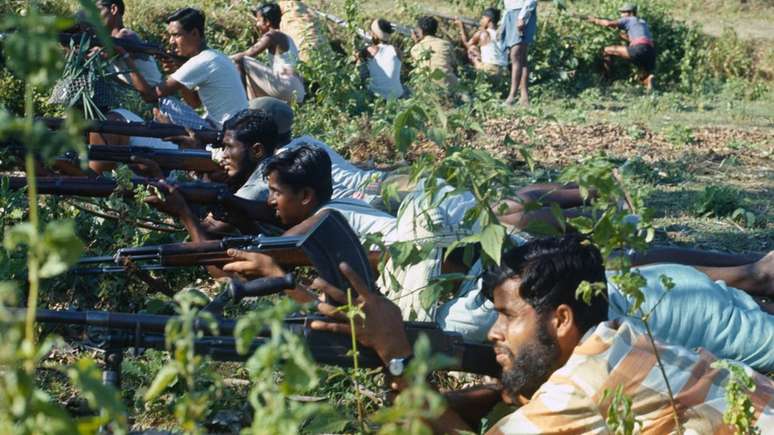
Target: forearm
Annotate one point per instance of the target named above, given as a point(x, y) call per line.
point(139, 83)
point(191, 97)
point(464, 38)
point(473, 404)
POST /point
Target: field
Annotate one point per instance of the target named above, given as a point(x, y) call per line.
point(699, 152)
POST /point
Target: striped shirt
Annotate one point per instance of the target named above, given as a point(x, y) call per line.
point(619, 353)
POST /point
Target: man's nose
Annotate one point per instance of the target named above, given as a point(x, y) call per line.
point(495, 332)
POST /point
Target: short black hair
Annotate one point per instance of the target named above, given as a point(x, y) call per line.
point(109, 3)
point(385, 26)
point(428, 25)
point(493, 14)
point(254, 126)
point(550, 270)
point(304, 166)
point(271, 12)
point(189, 18)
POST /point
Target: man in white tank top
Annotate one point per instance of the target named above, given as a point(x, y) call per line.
point(280, 79)
point(483, 50)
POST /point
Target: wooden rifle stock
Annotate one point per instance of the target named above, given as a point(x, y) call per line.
point(167, 159)
point(141, 129)
point(285, 250)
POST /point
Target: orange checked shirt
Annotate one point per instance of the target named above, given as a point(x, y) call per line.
point(618, 353)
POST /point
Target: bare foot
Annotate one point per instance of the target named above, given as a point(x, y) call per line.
point(648, 82)
point(509, 101)
point(763, 274)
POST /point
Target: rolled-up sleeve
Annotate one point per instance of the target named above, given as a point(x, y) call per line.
point(527, 9)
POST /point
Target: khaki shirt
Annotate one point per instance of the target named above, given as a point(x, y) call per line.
point(441, 56)
point(303, 26)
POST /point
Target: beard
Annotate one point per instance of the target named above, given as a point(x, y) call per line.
point(533, 365)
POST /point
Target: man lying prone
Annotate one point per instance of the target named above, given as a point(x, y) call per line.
point(558, 354)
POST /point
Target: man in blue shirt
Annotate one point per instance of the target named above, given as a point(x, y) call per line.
point(641, 51)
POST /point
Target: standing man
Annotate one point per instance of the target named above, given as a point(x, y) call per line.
point(207, 79)
point(515, 34)
point(641, 50)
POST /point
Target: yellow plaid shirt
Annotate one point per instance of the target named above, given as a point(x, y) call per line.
point(618, 353)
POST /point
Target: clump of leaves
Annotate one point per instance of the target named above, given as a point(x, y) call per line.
point(740, 412)
point(187, 369)
point(724, 201)
point(679, 135)
point(654, 173)
point(620, 418)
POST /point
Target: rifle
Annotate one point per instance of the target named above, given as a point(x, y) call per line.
point(403, 30)
point(468, 22)
point(136, 47)
point(167, 159)
point(193, 192)
point(141, 129)
point(115, 332)
point(66, 164)
point(321, 247)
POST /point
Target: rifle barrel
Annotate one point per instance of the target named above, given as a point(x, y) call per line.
point(128, 45)
point(141, 129)
point(167, 159)
point(325, 347)
point(196, 192)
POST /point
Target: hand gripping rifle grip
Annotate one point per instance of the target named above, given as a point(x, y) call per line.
point(260, 287)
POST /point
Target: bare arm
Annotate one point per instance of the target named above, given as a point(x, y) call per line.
point(463, 34)
point(259, 47)
point(613, 24)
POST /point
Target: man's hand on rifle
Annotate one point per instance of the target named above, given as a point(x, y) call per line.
point(170, 202)
point(382, 327)
point(168, 64)
point(160, 117)
point(189, 140)
point(146, 167)
point(252, 264)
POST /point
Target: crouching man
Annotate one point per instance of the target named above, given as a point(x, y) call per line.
point(559, 355)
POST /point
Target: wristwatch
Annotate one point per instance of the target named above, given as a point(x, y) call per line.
point(397, 366)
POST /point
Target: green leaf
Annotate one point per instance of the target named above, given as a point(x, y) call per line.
point(492, 239)
point(164, 378)
point(61, 246)
point(19, 234)
point(429, 296)
point(326, 420)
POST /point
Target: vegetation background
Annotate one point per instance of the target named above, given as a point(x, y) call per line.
point(698, 151)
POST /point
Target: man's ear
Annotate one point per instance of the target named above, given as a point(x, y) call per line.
point(564, 321)
point(258, 150)
point(309, 196)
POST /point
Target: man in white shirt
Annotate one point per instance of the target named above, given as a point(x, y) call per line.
point(207, 79)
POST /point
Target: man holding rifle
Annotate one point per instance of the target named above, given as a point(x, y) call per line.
point(208, 79)
point(641, 50)
point(558, 354)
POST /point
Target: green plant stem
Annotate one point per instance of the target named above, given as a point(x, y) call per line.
point(678, 425)
point(355, 363)
point(33, 262)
